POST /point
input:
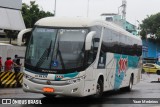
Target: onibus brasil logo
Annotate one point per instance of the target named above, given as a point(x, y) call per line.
point(123, 65)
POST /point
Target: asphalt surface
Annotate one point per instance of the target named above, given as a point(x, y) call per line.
point(148, 89)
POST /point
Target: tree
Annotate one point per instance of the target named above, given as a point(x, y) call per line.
point(11, 34)
point(151, 25)
point(143, 34)
point(31, 13)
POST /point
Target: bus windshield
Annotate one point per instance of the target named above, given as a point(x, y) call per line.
point(56, 49)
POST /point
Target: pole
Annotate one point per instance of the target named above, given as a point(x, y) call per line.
point(88, 8)
point(55, 8)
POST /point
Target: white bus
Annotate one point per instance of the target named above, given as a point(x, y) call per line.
point(80, 57)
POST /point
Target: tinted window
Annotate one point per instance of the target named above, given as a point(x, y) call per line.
point(115, 42)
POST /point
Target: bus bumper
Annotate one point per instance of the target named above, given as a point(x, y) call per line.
point(74, 89)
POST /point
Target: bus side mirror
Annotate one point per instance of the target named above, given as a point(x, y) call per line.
point(88, 42)
point(20, 35)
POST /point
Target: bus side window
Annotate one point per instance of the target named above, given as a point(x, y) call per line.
point(95, 46)
point(102, 60)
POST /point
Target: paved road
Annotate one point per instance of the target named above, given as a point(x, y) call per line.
point(147, 88)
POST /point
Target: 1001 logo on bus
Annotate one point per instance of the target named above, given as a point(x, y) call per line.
point(123, 65)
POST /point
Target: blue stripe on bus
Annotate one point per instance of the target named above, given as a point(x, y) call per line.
point(132, 62)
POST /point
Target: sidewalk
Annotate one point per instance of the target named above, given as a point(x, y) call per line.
point(150, 77)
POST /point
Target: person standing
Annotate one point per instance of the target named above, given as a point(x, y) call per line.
point(17, 68)
point(18, 65)
point(15, 60)
point(0, 63)
point(9, 64)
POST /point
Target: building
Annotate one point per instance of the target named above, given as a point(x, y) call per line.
point(8, 50)
point(10, 15)
point(117, 19)
point(151, 49)
point(10, 19)
point(131, 28)
point(2, 34)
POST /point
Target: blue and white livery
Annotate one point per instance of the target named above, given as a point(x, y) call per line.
point(80, 57)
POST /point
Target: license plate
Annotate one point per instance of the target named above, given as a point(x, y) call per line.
point(49, 90)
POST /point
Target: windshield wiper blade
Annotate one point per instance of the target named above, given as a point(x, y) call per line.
point(60, 56)
point(49, 49)
point(43, 57)
point(61, 59)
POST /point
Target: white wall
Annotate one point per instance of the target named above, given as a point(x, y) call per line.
point(10, 15)
point(7, 50)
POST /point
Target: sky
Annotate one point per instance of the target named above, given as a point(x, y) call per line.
point(135, 10)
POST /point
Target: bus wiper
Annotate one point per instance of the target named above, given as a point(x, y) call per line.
point(61, 59)
point(49, 49)
point(43, 57)
point(60, 56)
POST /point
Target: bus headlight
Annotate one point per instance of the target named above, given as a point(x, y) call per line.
point(75, 80)
point(27, 76)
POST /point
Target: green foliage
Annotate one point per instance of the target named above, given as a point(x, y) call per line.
point(151, 25)
point(11, 34)
point(31, 13)
point(143, 34)
point(158, 34)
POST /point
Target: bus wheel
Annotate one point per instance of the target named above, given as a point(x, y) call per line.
point(49, 95)
point(99, 89)
point(129, 87)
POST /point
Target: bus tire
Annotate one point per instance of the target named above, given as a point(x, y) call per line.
point(129, 87)
point(143, 71)
point(49, 95)
point(99, 89)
